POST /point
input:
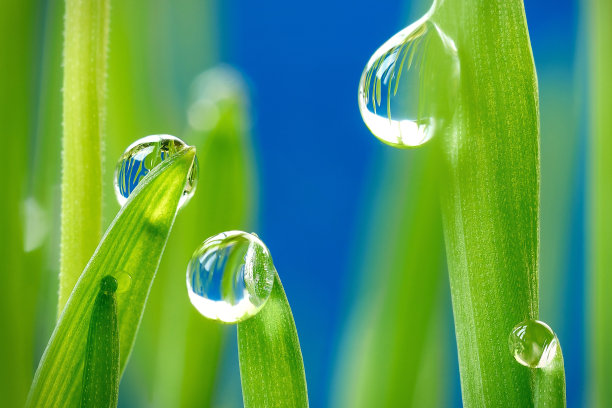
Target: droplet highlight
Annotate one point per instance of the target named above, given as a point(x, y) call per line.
point(124, 281)
point(407, 90)
point(230, 276)
point(144, 155)
point(533, 343)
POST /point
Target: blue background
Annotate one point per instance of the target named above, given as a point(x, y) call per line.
point(318, 162)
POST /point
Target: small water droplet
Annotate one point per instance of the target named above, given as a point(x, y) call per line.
point(124, 281)
point(141, 157)
point(533, 343)
point(407, 90)
point(230, 276)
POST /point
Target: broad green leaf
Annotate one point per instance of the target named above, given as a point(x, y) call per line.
point(101, 372)
point(133, 245)
point(490, 198)
point(85, 46)
point(271, 366)
point(18, 22)
point(600, 185)
point(398, 316)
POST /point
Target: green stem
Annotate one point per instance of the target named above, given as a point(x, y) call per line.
point(490, 197)
point(85, 48)
point(600, 13)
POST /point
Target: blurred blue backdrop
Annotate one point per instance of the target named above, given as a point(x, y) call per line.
point(319, 165)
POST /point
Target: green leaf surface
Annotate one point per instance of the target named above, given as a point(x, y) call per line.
point(133, 244)
point(600, 201)
point(85, 49)
point(490, 198)
point(271, 366)
point(101, 372)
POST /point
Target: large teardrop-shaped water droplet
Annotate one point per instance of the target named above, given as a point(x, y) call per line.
point(230, 276)
point(408, 88)
point(141, 157)
point(533, 343)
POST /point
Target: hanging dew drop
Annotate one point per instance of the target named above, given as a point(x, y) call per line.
point(407, 90)
point(230, 276)
point(533, 343)
point(141, 157)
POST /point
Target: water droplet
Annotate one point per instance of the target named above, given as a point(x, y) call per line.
point(407, 90)
point(124, 281)
point(230, 276)
point(108, 284)
point(533, 343)
point(141, 157)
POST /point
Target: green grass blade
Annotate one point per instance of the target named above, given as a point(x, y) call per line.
point(398, 315)
point(18, 19)
point(600, 185)
point(271, 366)
point(101, 372)
point(85, 48)
point(133, 244)
point(550, 383)
point(490, 199)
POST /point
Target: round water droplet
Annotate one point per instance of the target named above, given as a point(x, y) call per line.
point(230, 276)
point(533, 343)
point(408, 88)
point(141, 157)
point(124, 281)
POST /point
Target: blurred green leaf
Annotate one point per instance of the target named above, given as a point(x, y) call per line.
point(85, 48)
point(271, 366)
point(600, 185)
point(396, 323)
point(18, 20)
point(101, 372)
point(490, 199)
point(133, 244)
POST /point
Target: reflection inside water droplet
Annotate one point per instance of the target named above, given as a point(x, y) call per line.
point(230, 276)
point(533, 343)
point(407, 90)
point(141, 157)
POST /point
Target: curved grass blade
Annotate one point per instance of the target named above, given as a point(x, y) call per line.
point(600, 216)
point(271, 366)
point(490, 198)
point(550, 383)
point(133, 244)
point(101, 372)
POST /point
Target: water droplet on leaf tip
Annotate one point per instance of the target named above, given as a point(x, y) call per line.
point(141, 157)
point(230, 276)
point(407, 89)
point(533, 343)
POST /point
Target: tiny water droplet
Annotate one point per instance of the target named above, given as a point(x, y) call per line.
point(124, 281)
point(407, 90)
point(230, 276)
point(141, 157)
point(533, 343)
